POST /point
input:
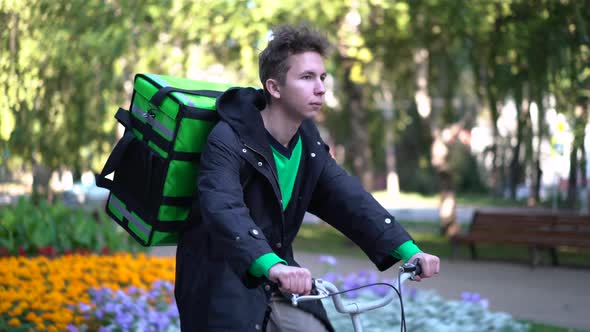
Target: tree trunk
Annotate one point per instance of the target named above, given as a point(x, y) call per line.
point(580, 121)
point(584, 204)
point(537, 172)
point(516, 169)
point(572, 187)
point(439, 147)
point(390, 161)
point(360, 144)
point(448, 206)
point(41, 177)
point(497, 180)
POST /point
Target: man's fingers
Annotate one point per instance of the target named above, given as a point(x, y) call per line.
point(430, 265)
point(295, 280)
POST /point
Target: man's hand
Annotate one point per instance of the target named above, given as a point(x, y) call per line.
point(291, 279)
point(430, 265)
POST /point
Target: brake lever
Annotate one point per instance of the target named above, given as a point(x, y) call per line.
point(414, 268)
point(318, 292)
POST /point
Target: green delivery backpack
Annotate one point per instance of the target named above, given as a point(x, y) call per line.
point(154, 166)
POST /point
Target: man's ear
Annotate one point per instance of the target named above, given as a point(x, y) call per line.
point(272, 86)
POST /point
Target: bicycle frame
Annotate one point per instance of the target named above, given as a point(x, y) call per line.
point(354, 309)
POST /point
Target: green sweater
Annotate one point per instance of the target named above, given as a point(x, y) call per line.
point(287, 161)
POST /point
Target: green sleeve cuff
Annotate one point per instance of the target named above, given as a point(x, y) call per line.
point(263, 263)
point(406, 250)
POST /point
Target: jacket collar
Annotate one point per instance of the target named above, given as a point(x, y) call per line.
point(240, 108)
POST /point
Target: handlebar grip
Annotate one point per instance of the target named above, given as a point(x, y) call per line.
point(416, 262)
point(314, 289)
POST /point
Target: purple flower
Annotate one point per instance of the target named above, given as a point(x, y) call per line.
point(466, 296)
point(485, 303)
point(124, 320)
point(110, 307)
point(153, 317)
point(352, 294)
point(330, 260)
point(132, 290)
point(84, 307)
point(72, 328)
point(105, 329)
point(172, 311)
point(412, 292)
point(381, 290)
point(470, 297)
point(331, 277)
point(99, 314)
point(163, 323)
point(475, 298)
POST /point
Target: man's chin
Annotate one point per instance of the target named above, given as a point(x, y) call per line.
point(311, 115)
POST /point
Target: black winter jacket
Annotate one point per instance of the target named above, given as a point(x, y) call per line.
point(241, 218)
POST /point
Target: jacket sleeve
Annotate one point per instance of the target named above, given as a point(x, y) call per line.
point(340, 200)
point(224, 213)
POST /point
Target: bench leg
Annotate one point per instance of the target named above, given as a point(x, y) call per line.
point(473, 251)
point(534, 256)
point(554, 257)
point(453, 250)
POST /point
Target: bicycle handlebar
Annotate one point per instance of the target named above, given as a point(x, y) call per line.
point(326, 289)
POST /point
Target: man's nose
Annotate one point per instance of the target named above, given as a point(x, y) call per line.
point(320, 87)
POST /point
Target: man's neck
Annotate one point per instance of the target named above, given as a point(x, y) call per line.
point(279, 125)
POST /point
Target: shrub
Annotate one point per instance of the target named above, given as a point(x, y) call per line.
point(52, 229)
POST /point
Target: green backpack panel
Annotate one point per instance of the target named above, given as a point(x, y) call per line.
point(156, 162)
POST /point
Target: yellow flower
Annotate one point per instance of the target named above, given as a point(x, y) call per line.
point(44, 289)
point(14, 322)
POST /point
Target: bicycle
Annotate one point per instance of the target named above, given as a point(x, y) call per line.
point(323, 289)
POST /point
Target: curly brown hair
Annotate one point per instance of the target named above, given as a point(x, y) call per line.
point(273, 61)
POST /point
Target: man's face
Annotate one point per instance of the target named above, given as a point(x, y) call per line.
point(302, 94)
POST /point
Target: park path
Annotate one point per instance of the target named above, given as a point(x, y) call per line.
point(552, 295)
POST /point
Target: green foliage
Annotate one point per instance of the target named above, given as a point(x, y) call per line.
point(66, 66)
point(51, 229)
point(413, 153)
point(467, 172)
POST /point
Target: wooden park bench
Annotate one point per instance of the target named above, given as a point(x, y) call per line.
point(535, 230)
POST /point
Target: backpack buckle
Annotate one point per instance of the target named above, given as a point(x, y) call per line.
point(150, 113)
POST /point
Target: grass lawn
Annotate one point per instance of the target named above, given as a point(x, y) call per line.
point(408, 199)
point(537, 327)
point(322, 238)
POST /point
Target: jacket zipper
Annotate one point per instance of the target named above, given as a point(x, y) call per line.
point(276, 178)
point(280, 194)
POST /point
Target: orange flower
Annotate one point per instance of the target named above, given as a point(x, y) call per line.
point(41, 290)
point(14, 322)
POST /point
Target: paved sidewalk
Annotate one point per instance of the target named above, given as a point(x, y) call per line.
point(553, 295)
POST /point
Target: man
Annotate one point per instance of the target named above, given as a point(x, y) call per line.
point(264, 166)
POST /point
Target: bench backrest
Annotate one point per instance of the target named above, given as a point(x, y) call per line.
point(563, 225)
point(496, 222)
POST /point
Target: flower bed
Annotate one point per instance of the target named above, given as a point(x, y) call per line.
point(39, 293)
point(135, 292)
point(427, 311)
